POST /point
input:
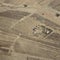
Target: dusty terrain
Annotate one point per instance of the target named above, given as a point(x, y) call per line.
point(29, 29)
